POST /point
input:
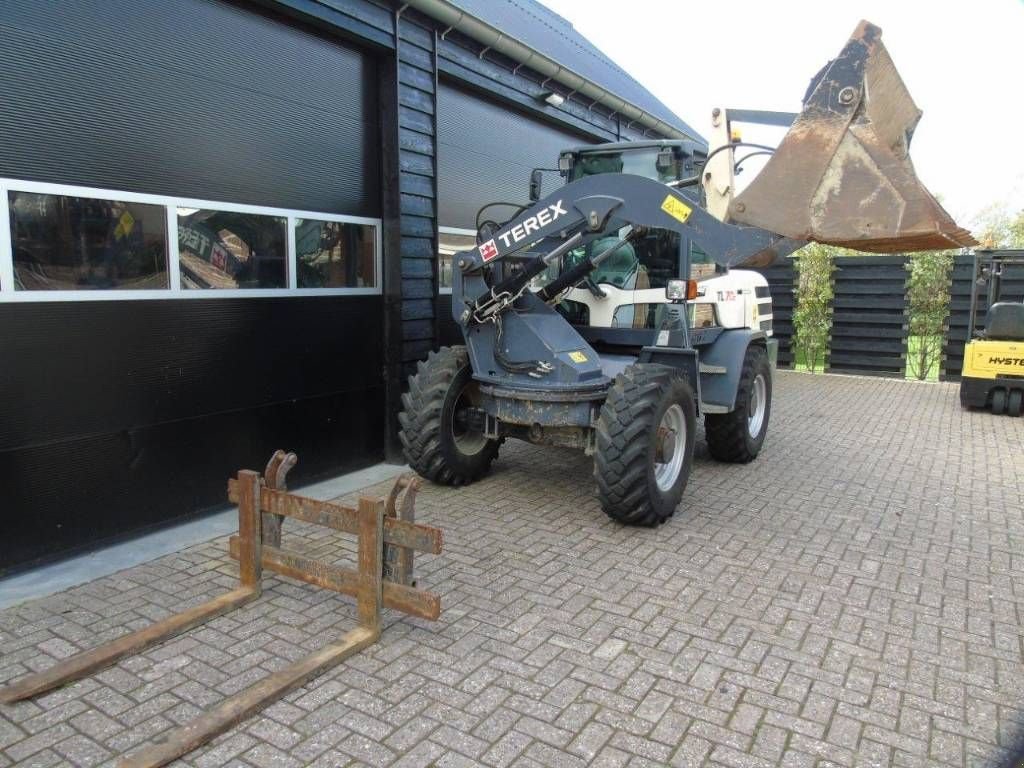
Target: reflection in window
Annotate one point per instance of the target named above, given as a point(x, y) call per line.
point(451, 241)
point(334, 254)
point(80, 243)
point(223, 249)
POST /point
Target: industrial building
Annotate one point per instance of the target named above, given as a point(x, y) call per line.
point(225, 228)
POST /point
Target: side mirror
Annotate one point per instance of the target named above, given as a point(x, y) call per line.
point(536, 179)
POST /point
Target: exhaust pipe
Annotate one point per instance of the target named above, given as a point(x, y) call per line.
point(842, 175)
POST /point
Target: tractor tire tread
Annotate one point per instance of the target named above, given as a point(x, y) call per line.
point(621, 459)
point(727, 433)
point(420, 421)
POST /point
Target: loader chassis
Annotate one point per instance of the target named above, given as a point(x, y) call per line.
point(528, 373)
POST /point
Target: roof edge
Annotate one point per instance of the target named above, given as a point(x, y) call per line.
point(471, 26)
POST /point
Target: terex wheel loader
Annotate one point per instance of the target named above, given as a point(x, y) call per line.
point(567, 344)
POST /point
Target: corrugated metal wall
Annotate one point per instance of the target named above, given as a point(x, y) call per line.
point(486, 153)
point(195, 98)
point(121, 415)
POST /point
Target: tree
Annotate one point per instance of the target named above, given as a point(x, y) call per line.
point(812, 319)
point(996, 227)
point(928, 297)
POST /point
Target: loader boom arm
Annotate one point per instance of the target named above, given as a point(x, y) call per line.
point(595, 206)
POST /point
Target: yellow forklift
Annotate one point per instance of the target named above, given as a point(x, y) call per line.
point(993, 372)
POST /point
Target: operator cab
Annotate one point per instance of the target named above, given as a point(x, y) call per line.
point(664, 161)
point(647, 262)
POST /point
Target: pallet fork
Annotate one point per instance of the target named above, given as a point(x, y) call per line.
point(387, 538)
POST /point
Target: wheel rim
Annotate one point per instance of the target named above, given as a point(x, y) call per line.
point(758, 405)
point(671, 436)
point(467, 441)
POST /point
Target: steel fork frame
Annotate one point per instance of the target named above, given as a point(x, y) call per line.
point(383, 528)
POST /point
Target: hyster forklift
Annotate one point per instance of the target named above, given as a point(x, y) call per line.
point(993, 370)
point(565, 342)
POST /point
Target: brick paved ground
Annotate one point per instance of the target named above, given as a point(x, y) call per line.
point(854, 597)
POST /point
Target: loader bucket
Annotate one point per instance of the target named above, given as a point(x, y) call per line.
point(842, 175)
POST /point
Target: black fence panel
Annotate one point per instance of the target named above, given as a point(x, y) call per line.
point(781, 283)
point(869, 316)
point(960, 309)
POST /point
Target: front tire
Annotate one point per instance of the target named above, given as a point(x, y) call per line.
point(437, 441)
point(645, 440)
point(737, 436)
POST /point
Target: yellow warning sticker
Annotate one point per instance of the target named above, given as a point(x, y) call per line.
point(676, 208)
point(577, 357)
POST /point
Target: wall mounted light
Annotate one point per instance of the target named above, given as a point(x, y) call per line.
point(553, 99)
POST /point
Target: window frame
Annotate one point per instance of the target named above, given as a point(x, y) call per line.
point(445, 290)
point(171, 204)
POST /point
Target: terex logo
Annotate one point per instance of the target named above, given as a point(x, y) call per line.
point(1006, 361)
point(532, 224)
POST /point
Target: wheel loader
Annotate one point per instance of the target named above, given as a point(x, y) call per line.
point(567, 344)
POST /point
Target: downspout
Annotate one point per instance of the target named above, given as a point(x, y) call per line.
point(454, 17)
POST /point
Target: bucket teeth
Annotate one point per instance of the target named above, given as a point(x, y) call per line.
point(843, 175)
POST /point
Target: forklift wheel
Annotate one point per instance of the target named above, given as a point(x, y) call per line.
point(1015, 403)
point(439, 439)
point(645, 445)
point(998, 401)
point(737, 436)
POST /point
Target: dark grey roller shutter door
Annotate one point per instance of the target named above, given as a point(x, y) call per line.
point(197, 98)
point(486, 152)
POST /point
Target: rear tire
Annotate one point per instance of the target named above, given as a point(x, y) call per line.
point(998, 401)
point(645, 438)
point(1015, 402)
point(435, 444)
point(737, 436)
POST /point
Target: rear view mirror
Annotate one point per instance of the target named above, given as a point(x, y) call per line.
point(535, 184)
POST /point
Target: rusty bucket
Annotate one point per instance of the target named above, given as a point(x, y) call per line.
point(842, 175)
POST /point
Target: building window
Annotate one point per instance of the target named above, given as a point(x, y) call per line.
point(62, 242)
point(334, 254)
point(226, 249)
point(451, 240)
point(65, 243)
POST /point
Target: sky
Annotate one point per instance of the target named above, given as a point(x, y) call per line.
point(962, 62)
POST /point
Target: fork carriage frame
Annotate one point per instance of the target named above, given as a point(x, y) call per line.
point(387, 538)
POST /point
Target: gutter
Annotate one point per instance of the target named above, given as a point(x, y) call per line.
point(492, 37)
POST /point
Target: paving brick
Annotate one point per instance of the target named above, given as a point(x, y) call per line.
point(851, 598)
